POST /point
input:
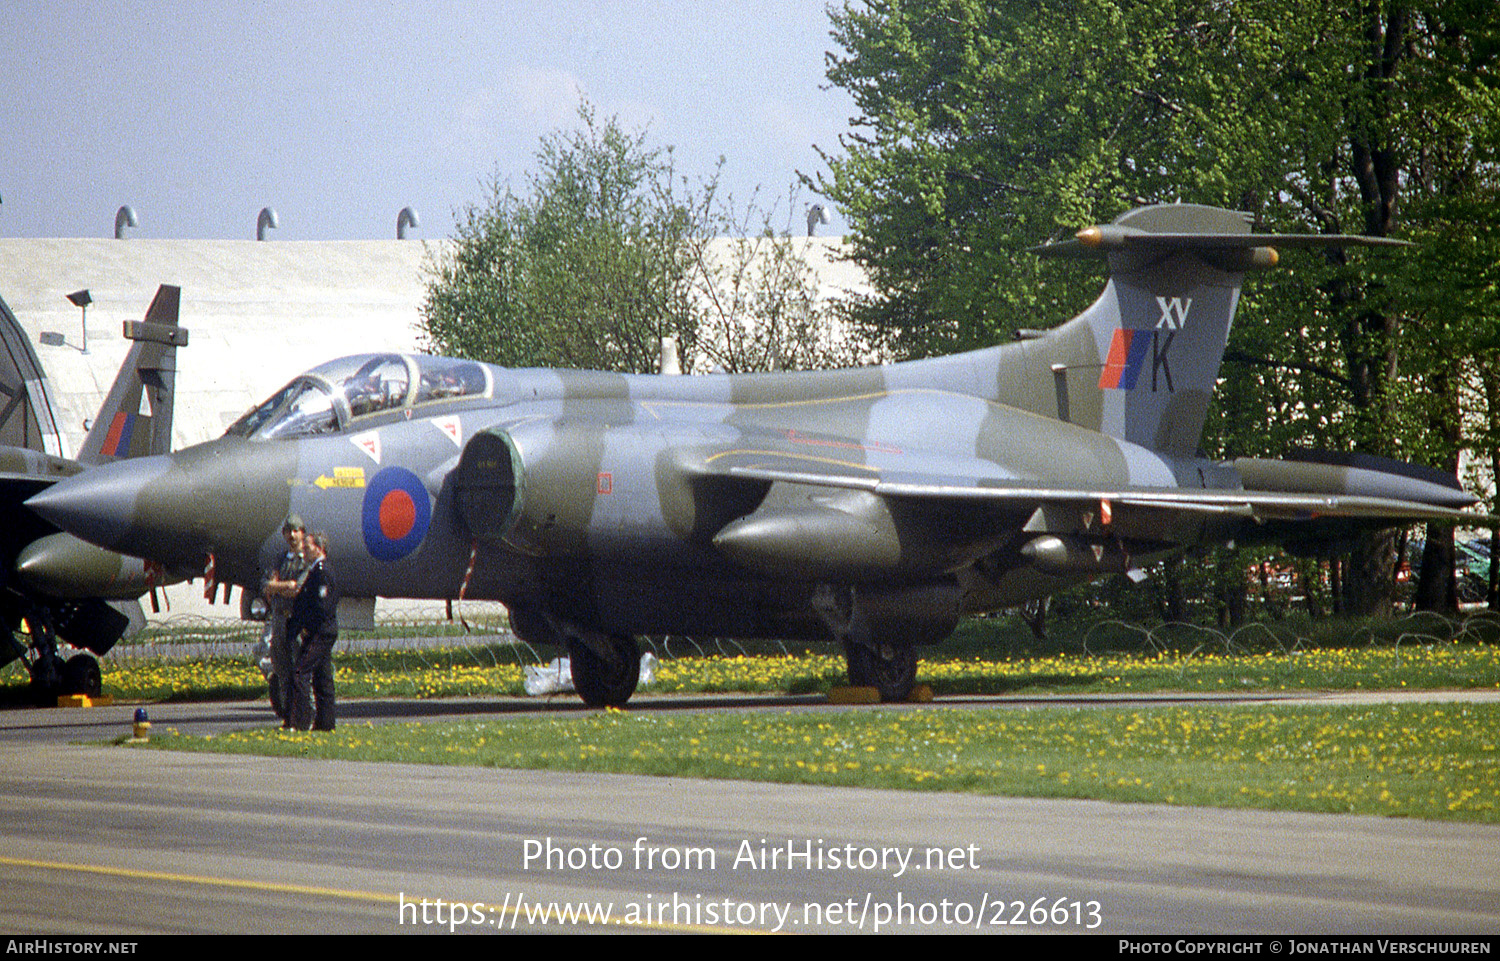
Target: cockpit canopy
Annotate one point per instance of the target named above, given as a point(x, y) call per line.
point(327, 399)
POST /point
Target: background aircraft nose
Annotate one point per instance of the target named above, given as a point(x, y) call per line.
point(99, 504)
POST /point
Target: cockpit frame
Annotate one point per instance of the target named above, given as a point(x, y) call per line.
point(353, 391)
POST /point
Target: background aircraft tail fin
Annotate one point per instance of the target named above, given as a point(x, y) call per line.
point(136, 418)
point(1141, 363)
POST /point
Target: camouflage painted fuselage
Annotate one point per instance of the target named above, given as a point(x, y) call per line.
point(884, 502)
point(615, 489)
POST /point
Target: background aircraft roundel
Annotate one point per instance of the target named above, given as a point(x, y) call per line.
point(395, 514)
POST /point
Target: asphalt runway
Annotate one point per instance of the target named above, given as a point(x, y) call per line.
point(111, 840)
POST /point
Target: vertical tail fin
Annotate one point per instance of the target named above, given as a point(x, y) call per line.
point(1141, 363)
point(136, 418)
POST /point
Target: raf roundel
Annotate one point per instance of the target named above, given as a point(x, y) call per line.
point(395, 515)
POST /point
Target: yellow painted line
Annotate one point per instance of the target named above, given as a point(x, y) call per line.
point(348, 895)
point(651, 405)
point(789, 455)
point(238, 883)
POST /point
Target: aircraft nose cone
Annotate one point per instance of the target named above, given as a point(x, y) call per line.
point(100, 504)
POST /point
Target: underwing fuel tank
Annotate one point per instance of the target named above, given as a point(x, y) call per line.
point(811, 541)
point(1354, 474)
point(63, 566)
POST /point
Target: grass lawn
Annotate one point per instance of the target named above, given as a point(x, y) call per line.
point(1415, 760)
point(1411, 760)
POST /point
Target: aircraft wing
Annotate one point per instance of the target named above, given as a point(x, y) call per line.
point(949, 511)
point(1252, 505)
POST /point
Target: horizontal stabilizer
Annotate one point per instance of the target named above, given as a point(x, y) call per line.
point(1100, 239)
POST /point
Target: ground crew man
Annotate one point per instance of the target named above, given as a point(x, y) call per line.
point(314, 628)
point(279, 589)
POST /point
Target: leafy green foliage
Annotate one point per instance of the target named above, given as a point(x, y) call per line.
point(585, 270)
point(608, 252)
point(757, 298)
point(986, 127)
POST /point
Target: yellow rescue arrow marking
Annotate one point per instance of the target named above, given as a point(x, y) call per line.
point(342, 477)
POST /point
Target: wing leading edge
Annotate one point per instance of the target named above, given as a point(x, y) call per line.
point(1255, 505)
point(926, 514)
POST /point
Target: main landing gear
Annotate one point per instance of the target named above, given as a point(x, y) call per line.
point(606, 668)
point(52, 676)
point(889, 668)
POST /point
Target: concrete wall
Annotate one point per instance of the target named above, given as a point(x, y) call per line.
point(257, 313)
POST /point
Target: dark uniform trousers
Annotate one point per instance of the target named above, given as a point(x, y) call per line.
point(314, 623)
point(312, 681)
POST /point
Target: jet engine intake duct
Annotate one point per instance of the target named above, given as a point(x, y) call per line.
point(487, 486)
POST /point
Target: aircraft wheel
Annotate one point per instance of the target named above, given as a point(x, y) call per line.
point(858, 657)
point(81, 675)
point(46, 679)
point(605, 682)
point(892, 671)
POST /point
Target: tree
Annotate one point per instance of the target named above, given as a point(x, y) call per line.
point(608, 252)
point(986, 126)
point(585, 270)
point(757, 296)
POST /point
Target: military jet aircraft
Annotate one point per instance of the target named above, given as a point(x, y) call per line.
point(60, 585)
point(875, 506)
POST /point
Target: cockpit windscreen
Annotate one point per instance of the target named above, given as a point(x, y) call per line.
point(327, 398)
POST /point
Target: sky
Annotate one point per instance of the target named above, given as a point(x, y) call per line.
point(338, 113)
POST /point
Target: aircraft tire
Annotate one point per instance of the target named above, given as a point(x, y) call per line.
point(893, 676)
point(46, 680)
point(601, 682)
point(857, 658)
point(81, 675)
